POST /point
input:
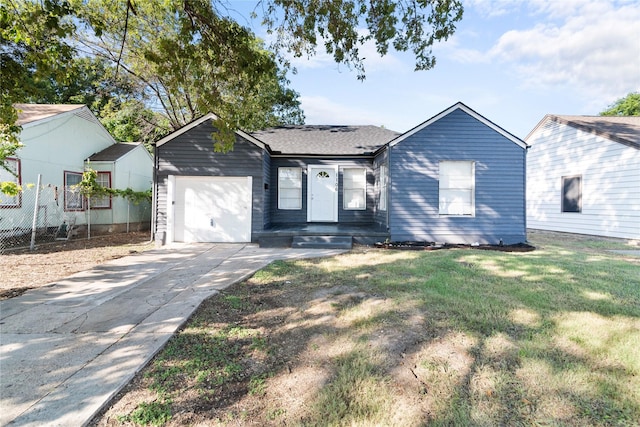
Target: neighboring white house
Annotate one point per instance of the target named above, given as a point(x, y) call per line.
point(59, 142)
point(583, 175)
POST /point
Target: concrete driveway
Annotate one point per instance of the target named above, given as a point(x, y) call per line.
point(68, 348)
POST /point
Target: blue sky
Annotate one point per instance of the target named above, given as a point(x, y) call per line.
point(512, 61)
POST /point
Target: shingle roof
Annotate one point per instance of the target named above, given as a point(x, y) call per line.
point(622, 129)
point(329, 140)
point(33, 112)
point(113, 152)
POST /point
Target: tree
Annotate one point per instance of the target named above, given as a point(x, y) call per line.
point(300, 25)
point(187, 57)
point(627, 106)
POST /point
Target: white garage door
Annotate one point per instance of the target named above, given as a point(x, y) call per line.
point(212, 209)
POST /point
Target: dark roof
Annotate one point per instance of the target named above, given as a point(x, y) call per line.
point(622, 129)
point(113, 152)
point(331, 140)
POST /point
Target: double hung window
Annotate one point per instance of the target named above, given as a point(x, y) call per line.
point(457, 188)
point(289, 188)
point(354, 184)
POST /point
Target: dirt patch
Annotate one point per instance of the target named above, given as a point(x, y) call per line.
point(23, 269)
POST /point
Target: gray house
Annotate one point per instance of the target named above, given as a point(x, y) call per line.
point(456, 178)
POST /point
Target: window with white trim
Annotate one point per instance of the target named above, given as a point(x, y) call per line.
point(354, 188)
point(104, 202)
point(289, 188)
point(457, 188)
point(13, 165)
point(383, 188)
point(73, 200)
point(572, 193)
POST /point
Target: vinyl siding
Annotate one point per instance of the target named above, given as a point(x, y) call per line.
point(380, 216)
point(499, 184)
point(192, 154)
point(266, 162)
point(299, 216)
point(610, 182)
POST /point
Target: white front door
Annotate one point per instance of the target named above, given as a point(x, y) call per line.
point(322, 193)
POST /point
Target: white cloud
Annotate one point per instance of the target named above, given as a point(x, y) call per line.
point(373, 62)
point(321, 110)
point(591, 47)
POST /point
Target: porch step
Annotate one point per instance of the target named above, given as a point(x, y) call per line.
point(322, 242)
point(275, 241)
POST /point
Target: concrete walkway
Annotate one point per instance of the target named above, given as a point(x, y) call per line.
point(68, 348)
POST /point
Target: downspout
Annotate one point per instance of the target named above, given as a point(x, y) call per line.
point(388, 192)
point(154, 195)
point(526, 150)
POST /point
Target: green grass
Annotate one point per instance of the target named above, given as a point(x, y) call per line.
point(568, 315)
point(549, 337)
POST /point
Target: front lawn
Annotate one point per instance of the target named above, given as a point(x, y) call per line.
point(407, 338)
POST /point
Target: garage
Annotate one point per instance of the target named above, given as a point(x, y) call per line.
point(210, 209)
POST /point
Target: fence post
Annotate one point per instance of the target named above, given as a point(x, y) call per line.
point(88, 217)
point(34, 224)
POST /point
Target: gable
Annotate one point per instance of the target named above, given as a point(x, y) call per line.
point(204, 119)
point(460, 107)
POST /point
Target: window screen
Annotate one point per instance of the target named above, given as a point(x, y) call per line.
point(572, 193)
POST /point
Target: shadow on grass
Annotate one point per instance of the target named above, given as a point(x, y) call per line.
point(429, 338)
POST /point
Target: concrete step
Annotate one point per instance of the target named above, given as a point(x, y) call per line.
point(322, 242)
point(275, 241)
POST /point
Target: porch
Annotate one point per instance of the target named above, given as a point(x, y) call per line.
point(321, 235)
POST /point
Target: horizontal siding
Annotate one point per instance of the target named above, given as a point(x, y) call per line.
point(610, 183)
point(266, 162)
point(299, 216)
point(380, 216)
point(499, 184)
point(192, 154)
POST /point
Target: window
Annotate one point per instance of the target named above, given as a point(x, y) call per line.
point(383, 188)
point(354, 188)
point(572, 193)
point(457, 188)
point(103, 179)
point(289, 188)
point(73, 200)
point(13, 165)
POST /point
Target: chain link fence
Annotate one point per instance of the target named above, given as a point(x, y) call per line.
point(37, 215)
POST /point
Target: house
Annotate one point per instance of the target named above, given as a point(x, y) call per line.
point(583, 175)
point(456, 178)
point(59, 142)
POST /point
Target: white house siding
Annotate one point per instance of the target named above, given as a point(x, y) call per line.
point(610, 182)
point(56, 145)
point(132, 170)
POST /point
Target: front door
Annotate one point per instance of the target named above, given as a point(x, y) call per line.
point(322, 193)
